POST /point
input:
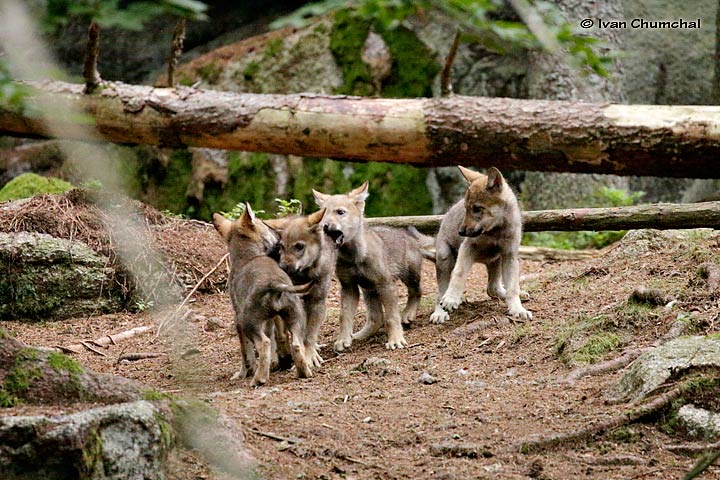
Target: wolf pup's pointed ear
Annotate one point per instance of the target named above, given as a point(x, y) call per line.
point(248, 216)
point(320, 197)
point(495, 179)
point(222, 225)
point(316, 217)
point(360, 194)
point(470, 175)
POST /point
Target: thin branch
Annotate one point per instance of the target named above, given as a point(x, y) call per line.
point(90, 71)
point(165, 321)
point(176, 50)
point(445, 83)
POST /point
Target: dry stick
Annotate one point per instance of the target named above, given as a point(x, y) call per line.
point(131, 357)
point(164, 322)
point(103, 342)
point(445, 84)
point(546, 442)
point(176, 50)
point(92, 349)
point(273, 436)
point(693, 449)
point(90, 72)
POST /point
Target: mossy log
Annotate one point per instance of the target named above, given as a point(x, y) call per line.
point(660, 216)
point(29, 375)
point(561, 136)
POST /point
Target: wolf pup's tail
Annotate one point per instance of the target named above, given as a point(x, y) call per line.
point(298, 289)
point(425, 242)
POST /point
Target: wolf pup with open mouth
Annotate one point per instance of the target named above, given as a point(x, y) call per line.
point(362, 263)
point(484, 227)
point(262, 295)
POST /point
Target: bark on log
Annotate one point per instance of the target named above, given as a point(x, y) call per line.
point(662, 216)
point(561, 136)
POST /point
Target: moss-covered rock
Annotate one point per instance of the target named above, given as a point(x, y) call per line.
point(46, 277)
point(30, 184)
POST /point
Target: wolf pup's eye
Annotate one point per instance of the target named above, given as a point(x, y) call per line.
point(299, 247)
point(477, 209)
point(340, 211)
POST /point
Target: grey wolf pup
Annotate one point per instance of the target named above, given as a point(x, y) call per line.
point(484, 227)
point(362, 263)
point(404, 253)
point(262, 295)
point(308, 255)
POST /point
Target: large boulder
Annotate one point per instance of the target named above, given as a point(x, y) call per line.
point(656, 366)
point(53, 277)
point(121, 441)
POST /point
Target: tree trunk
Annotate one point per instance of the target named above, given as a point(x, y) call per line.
point(664, 216)
point(551, 77)
point(517, 134)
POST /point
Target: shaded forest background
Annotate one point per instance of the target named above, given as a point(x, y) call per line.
point(342, 53)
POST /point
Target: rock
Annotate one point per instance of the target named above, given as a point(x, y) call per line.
point(427, 379)
point(214, 323)
point(47, 277)
point(376, 366)
point(122, 441)
point(654, 367)
point(699, 422)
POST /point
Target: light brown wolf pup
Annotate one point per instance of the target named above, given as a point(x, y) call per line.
point(362, 263)
point(262, 295)
point(484, 227)
point(308, 255)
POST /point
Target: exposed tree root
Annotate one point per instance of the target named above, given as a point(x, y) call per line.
point(546, 442)
point(604, 367)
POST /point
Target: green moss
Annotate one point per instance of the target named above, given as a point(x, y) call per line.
point(19, 378)
point(167, 434)
point(273, 47)
point(165, 187)
point(30, 184)
point(92, 454)
point(210, 72)
point(624, 434)
point(595, 347)
point(62, 363)
point(8, 400)
point(414, 66)
point(250, 71)
point(346, 43)
point(152, 395)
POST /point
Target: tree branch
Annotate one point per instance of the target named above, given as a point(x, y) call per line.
point(445, 83)
point(90, 71)
point(176, 50)
point(545, 135)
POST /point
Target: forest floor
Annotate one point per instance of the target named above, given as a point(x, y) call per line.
point(367, 415)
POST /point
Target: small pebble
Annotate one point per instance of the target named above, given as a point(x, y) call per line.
point(427, 379)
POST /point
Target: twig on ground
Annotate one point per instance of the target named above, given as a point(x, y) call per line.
point(131, 357)
point(274, 437)
point(164, 321)
point(92, 349)
point(102, 342)
point(604, 367)
point(693, 448)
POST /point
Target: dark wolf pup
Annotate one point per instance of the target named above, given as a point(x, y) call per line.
point(484, 227)
point(262, 295)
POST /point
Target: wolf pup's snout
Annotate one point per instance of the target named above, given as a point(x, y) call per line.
point(337, 236)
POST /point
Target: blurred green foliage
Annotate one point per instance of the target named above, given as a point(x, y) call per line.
point(604, 197)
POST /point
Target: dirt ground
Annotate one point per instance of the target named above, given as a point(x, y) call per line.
point(367, 415)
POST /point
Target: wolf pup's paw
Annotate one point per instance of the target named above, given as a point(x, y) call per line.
point(397, 342)
point(439, 316)
point(520, 312)
point(312, 356)
point(450, 301)
point(342, 344)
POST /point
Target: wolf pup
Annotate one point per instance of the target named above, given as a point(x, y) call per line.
point(404, 253)
point(362, 263)
point(262, 295)
point(484, 227)
point(308, 255)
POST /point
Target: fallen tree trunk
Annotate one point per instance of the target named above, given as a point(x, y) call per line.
point(662, 216)
point(559, 136)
